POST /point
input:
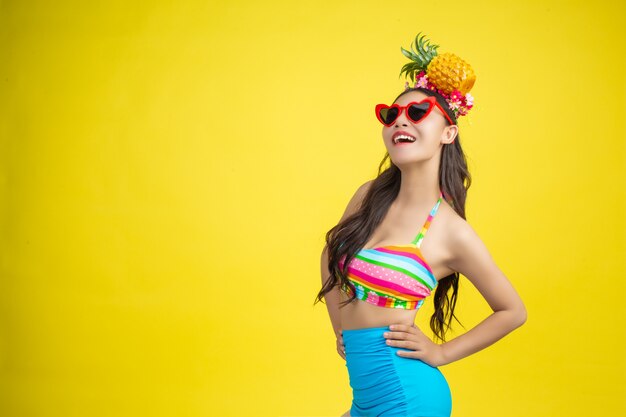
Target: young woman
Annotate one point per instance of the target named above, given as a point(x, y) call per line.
point(404, 234)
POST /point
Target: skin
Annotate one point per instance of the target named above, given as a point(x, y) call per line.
point(451, 245)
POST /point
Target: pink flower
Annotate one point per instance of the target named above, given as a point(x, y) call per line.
point(422, 82)
point(456, 95)
point(454, 102)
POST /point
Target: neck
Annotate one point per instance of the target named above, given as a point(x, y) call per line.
point(419, 185)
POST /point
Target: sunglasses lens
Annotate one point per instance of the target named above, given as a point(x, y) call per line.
point(418, 111)
point(388, 115)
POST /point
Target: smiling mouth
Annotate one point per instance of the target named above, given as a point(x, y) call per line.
point(403, 139)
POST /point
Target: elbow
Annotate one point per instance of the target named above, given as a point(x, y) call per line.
point(520, 316)
point(516, 316)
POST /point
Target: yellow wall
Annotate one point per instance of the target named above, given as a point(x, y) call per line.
point(169, 170)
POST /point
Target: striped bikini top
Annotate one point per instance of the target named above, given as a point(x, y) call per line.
point(394, 276)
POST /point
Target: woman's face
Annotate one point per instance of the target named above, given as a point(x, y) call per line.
point(430, 133)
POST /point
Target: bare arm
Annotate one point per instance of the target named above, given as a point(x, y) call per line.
point(471, 258)
point(332, 298)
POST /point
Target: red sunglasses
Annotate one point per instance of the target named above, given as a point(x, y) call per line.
point(416, 111)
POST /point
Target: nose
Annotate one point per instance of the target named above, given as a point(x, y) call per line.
point(401, 120)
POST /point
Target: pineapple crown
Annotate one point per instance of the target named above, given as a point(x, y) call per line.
point(446, 74)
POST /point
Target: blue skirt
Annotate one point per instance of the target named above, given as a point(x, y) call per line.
point(386, 384)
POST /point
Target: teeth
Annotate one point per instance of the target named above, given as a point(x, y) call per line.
point(397, 138)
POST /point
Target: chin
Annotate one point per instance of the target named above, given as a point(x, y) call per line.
point(407, 160)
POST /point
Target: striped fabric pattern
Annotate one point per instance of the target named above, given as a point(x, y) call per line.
point(393, 276)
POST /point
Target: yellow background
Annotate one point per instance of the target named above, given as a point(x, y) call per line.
point(169, 170)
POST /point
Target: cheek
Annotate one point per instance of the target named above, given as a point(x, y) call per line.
point(386, 134)
point(428, 131)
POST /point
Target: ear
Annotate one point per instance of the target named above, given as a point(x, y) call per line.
point(449, 134)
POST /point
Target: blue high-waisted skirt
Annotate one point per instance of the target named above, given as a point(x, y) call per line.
point(386, 384)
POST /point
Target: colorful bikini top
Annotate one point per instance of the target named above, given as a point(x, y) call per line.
point(394, 276)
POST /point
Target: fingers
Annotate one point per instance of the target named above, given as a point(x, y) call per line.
point(407, 344)
point(400, 331)
point(342, 353)
point(408, 339)
point(412, 354)
point(403, 328)
point(396, 335)
point(341, 349)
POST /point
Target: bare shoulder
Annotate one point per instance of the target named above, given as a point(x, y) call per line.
point(456, 226)
point(460, 237)
point(357, 199)
point(463, 248)
point(450, 226)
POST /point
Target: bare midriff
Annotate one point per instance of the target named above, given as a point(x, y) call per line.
point(360, 314)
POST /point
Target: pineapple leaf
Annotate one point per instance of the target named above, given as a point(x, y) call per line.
point(407, 53)
point(427, 51)
point(420, 42)
point(423, 55)
point(406, 68)
point(417, 51)
point(423, 58)
point(420, 53)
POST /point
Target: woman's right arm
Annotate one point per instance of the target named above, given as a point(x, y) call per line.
point(332, 297)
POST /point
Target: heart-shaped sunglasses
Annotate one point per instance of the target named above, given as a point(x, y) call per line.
point(416, 111)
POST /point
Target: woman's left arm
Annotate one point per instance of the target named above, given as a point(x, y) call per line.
point(470, 257)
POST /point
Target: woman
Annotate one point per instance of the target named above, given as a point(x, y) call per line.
point(372, 299)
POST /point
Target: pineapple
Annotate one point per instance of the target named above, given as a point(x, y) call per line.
point(447, 71)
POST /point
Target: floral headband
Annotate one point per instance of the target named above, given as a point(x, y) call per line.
point(447, 74)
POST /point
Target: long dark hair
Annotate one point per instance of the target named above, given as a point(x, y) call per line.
point(350, 235)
